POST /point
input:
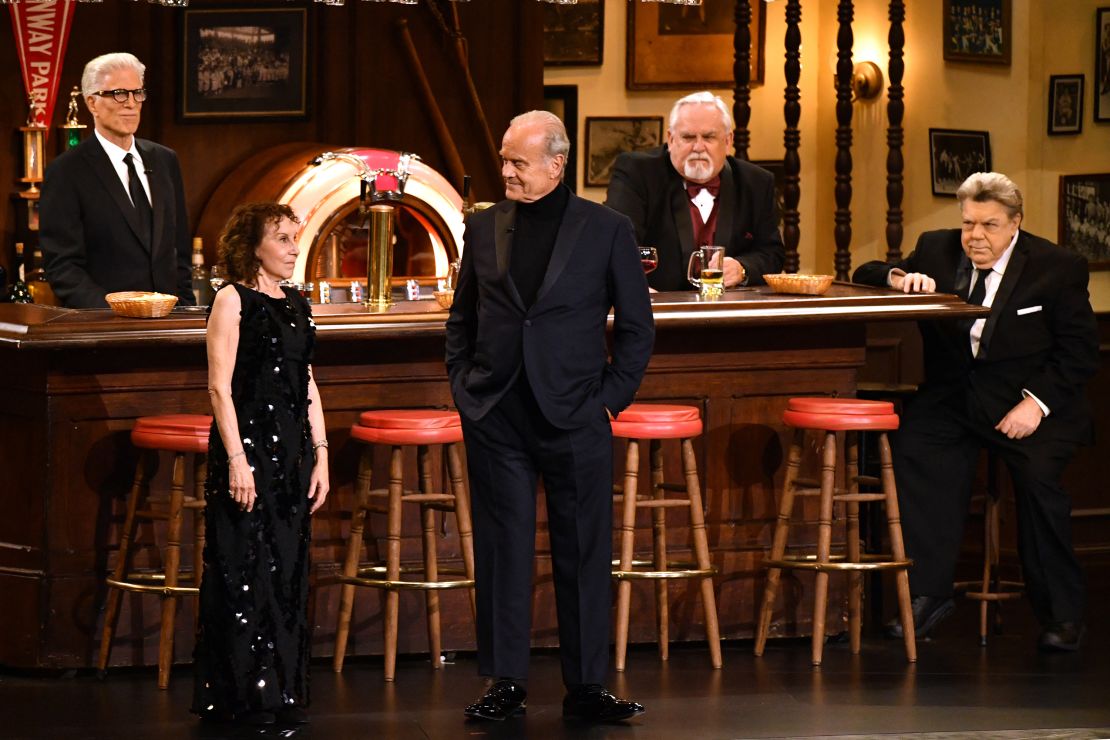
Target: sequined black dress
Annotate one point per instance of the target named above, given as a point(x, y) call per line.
point(253, 639)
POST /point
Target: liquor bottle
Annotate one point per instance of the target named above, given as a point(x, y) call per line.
point(41, 291)
point(202, 289)
point(19, 293)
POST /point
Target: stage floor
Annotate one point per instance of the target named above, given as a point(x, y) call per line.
point(956, 690)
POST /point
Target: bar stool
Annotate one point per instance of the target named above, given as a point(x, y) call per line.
point(400, 428)
point(828, 416)
point(991, 588)
point(656, 422)
point(181, 434)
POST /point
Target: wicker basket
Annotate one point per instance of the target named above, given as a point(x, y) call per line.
point(444, 298)
point(804, 284)
point(139, 304)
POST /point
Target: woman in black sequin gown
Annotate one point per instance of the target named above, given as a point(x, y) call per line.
point(267, 473)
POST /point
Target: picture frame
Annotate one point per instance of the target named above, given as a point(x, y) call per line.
point(562, 100)
point(978, 31)
point(243, 63)
point(574, 35)
point(1084, 217)
point(674, 47)
point(609, 136)
point(1065, 104)
point(954, 154)
point(1102, 65)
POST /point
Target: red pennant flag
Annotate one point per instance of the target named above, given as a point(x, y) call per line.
point(41, 32)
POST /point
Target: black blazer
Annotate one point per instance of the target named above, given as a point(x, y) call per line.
point(89, 234)
point(1041, 334)
point(646, 187)
point(560, 341)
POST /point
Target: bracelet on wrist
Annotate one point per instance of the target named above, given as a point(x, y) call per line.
point(318, 445)
point(240, 453)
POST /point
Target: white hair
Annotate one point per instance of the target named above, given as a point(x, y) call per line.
point(984, 186)
point(555, 133)
point(702, 98)
point(104, 65)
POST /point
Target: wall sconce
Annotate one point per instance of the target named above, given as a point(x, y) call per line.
point(867, 81)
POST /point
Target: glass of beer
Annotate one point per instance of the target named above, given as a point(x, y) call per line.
point(707, 271)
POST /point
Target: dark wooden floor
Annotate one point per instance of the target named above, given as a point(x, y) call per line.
point(956, 687)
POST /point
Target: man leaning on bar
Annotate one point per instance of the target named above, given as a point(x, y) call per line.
point(113, 208)
point(1012, 383)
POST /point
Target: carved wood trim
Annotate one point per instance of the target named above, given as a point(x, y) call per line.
point(792, 112)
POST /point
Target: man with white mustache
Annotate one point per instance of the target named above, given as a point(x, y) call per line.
point(691, 193)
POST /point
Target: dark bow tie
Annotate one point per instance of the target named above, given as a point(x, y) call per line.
point(713, 186)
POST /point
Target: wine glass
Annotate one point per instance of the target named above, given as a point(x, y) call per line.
point(649, 258)
point(217, 277)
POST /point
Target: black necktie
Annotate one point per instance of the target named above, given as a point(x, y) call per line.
point(979, 291)
point(138, 198)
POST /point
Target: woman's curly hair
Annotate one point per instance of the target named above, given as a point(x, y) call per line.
point(243, 234)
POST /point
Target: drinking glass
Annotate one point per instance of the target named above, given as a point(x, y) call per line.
point(217, 277)
point(649, 258)
point(707, 271)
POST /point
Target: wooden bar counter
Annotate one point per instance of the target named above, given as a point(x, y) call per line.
point(74, 381)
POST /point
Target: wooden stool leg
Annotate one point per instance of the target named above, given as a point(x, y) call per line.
point(701, 551)
point(350, 563)
point(778, 542)
point(824, 546)
point(659, 550)
point(172, 565)
point(393, 559)
point(431, 562)
point(855, 577)
point(628, 534)
point(897, 547)
point(462, 518)
point(123, 559)
point(200, 475)
point(990, 558)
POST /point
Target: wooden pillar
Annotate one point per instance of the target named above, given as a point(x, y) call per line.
point(895, 109)
point(741, 72)
point(792, 112)
point(842, 231)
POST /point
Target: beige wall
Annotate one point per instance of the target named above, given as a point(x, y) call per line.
point(1009, 102)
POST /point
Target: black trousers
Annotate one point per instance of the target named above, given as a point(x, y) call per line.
point(507, 451)
point(936, 455)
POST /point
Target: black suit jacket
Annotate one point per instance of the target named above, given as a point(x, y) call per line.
point(1041, 334)
point(646, 187)
point(560, 341)
point(90, 236)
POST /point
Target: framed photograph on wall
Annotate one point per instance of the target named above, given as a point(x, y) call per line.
point(606, 137)
point(977, 31)
point(1102, 64)
point(954, 155)
point(1084, 217)
point(239, 63)
point(573, 35)
point(688, 46)
point(1065, 104)
point(562, 100)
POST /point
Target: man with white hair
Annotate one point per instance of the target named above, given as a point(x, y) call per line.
point(536, 386)
point(692, 193)
point(1012, 383)
point(112, 212)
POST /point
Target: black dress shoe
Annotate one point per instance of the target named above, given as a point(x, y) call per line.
point(292, 715)
point(594, 704)
point(928, 612)
point(1061, 637)
point(501, 701)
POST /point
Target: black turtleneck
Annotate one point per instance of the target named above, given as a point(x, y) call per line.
point(537, 225)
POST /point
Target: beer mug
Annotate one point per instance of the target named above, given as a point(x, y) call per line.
point(707, 271)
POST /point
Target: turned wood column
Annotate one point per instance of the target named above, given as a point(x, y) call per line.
point(842, 231)
point(741, 72)
point(792, 112)
point(895, 110)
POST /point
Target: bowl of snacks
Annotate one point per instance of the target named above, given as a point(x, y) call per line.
point(783, 282)
point(444, 297)
point(141, 304)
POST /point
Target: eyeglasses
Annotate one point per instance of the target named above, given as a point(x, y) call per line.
point(120, 95)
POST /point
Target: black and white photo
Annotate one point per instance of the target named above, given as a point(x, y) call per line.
point(977, 31)
point(1065, 104)
point(954, 155)
point(1102, 65)
point(606, 137)
point(573, 34)
point(1085, 217)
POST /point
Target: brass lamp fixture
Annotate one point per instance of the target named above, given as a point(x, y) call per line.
point(34, 141)
point(867, 81)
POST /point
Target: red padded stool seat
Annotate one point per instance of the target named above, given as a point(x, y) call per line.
point(829, 416)
point(401, 428)
point(656, 422)
point(181, 434)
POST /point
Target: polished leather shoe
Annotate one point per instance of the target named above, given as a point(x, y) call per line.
point(1061, 637)
point(593, 703)
point(502, 700)
point(928, 612)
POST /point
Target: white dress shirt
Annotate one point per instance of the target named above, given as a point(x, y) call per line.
point(116, 155)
